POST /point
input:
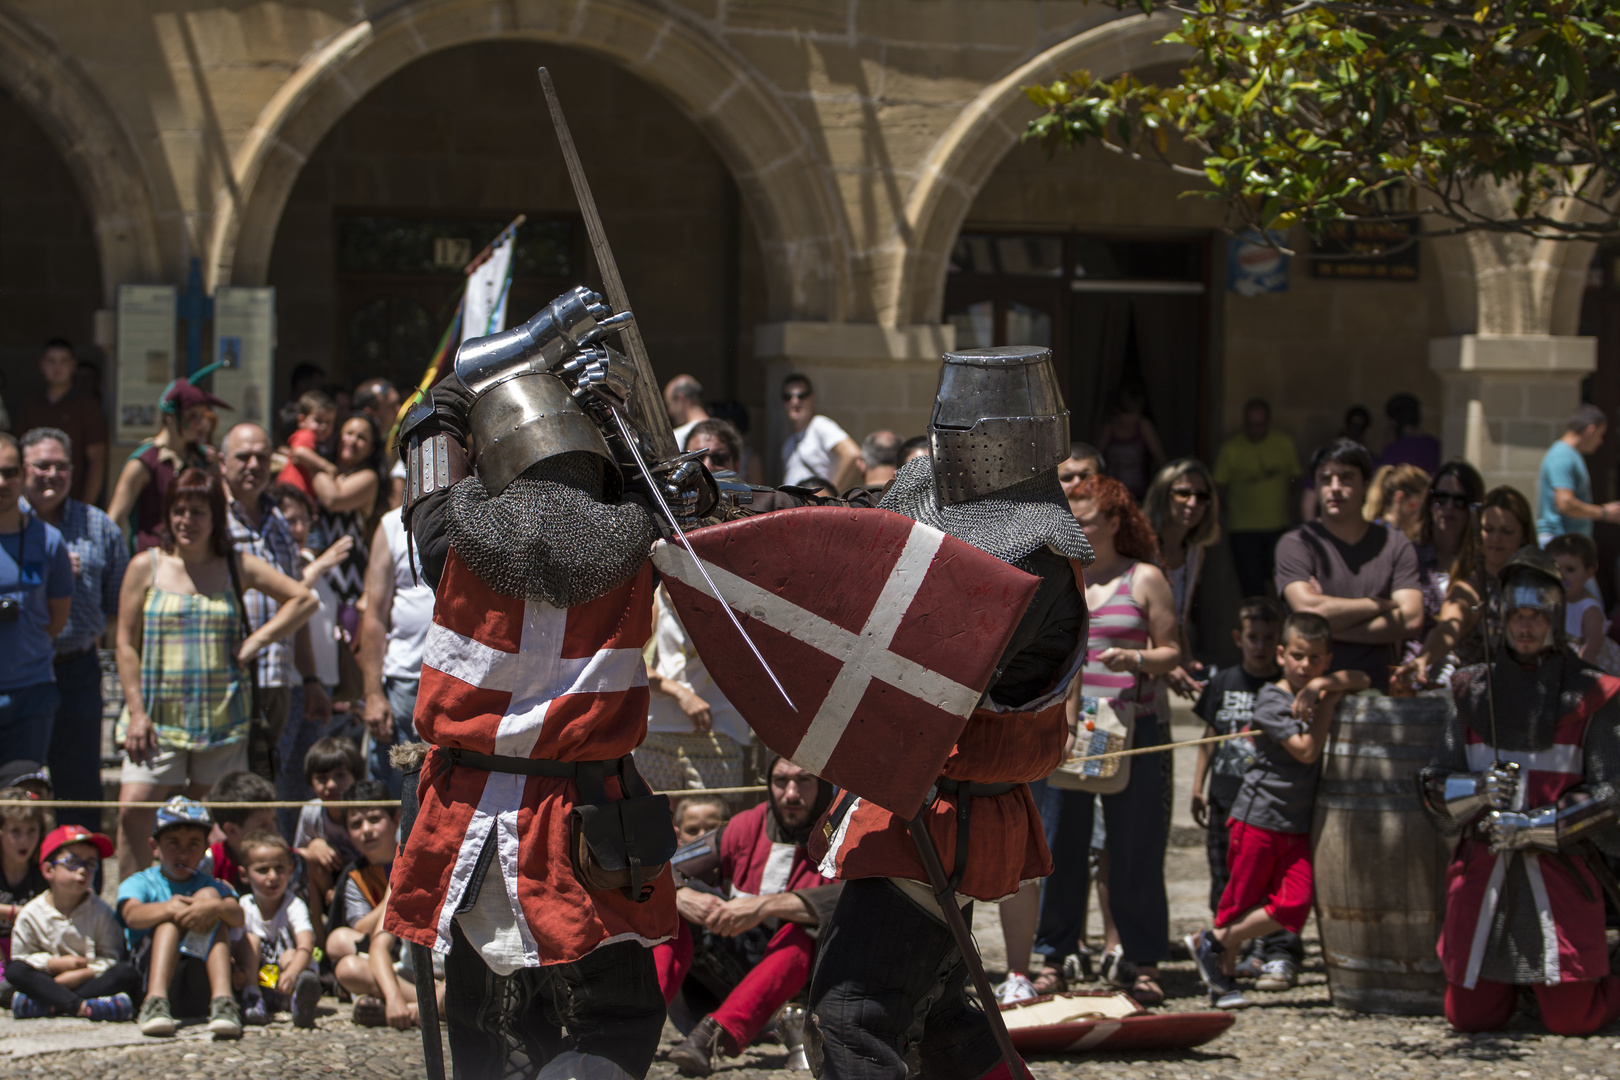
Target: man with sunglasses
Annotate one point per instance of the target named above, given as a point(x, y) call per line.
point(36, 595)
point(818, 446)
point(98, 556)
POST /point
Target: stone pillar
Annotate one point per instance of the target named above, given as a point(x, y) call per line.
point(1507, 397)
point(866, 376)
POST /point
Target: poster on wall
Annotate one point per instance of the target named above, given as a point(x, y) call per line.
point(146, 335)
point(244, 347)
point(1254, 266)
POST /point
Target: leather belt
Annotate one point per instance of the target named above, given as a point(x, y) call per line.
point(973, 790)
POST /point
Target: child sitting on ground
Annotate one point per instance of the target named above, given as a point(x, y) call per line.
point(173, 914)
point(20, 879)
point(69, 946)
point(363, 950)
point(698, 815)
point(225, 856)
point(278, 940)
point(1584, 623)
point(322, 838)
point(1270, 856)
point(695, 816)
point(317, 413)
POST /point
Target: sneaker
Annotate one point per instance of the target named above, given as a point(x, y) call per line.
point(117, 1008)
point(1278, 975)
point(305, 996)
point(370, 1012)
point(24, 1007)
point(255, 1010)
point(1229, 997)
point(1114, 969)
point(1017, 988)
point(156, 1019)
point(1206, 955)
point(224, 1018)
point(1077, 967)
point(1251, 966)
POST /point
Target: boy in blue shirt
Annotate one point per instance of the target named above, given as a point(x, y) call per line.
point(36, 595)
point(175, 918)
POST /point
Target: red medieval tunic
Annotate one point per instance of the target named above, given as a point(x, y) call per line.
point(524, 679)
point(756, 865)
point(1567, 899)
point(1007, 844)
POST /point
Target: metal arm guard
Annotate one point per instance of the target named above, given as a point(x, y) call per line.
point(1463, 796)
point(569, 323)
point(1549, 828)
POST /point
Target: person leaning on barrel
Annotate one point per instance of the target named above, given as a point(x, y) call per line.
point(1528, 780)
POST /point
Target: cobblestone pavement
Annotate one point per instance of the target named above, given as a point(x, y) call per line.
point(1294, 1035)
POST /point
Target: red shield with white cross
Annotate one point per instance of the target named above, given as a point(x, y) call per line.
point(883, 631)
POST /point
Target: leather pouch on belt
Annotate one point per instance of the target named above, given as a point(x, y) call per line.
point(623, 844)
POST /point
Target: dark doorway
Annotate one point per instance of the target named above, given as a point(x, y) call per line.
point(1117, 311)
point(400, 277)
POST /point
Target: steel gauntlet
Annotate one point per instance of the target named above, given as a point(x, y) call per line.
point(1464, 796)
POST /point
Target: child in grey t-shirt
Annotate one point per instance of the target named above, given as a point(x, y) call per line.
point(1270, 887)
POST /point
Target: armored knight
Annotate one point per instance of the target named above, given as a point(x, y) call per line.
point(1526, 773)
point(890, 978)
point(536, 858)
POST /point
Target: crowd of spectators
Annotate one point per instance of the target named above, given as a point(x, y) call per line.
point(260, 597)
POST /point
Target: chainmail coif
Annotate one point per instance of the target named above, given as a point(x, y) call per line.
point(1008, 524)
point(549, 536)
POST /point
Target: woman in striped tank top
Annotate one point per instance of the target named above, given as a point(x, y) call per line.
point(1133, 638)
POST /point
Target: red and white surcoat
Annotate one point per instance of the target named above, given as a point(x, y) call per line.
point(1007, 845)
point(1569, 902)
point(524, 679)
point(758, 866)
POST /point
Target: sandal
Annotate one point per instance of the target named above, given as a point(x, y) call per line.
point(1146, 991)
point(1050, 981)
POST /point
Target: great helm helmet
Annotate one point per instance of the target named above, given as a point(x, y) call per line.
point(1530, 580)
point(998, 420)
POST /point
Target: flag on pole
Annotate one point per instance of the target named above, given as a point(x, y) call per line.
point(488, 282)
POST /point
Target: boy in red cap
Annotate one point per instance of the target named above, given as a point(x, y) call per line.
point(67, 946)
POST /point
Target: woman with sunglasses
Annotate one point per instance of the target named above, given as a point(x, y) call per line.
point(1504, 526)
point(1185, 512)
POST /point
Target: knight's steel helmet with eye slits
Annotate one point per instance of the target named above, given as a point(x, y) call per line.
point(998, 420)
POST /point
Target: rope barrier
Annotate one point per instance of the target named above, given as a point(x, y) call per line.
point(1161, 747)
point(87, 804)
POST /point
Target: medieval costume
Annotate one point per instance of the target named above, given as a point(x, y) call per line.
point(891, 980)
point(754, 974)
point(1529, 790)
point(533, 695)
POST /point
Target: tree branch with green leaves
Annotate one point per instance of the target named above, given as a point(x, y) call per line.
point(1479, 115)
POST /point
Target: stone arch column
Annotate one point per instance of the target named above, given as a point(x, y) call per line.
point(800, 224)
point(93, 143)
point(963, 158)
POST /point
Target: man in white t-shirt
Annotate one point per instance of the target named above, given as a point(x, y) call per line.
point(683, 398)
point(393, 626)
point(818, 447)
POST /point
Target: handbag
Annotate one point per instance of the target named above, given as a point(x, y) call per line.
point(1106, 726)
point(261, 752)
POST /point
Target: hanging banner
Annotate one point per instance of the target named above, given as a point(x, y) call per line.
point(146, 336)
point(244, 348)
point(488, 282)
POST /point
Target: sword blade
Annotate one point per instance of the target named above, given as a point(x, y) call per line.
point(649, 404)
point(629, 438)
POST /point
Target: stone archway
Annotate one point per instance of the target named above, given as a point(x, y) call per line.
point(969, 151)
point(801, 230)
point(94, 145)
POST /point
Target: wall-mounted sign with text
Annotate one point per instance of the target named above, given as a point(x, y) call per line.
point(1367, 250)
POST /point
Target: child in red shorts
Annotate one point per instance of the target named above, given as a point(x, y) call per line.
point(1270, 853)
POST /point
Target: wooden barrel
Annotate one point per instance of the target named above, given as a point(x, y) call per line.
point(1379, 864)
